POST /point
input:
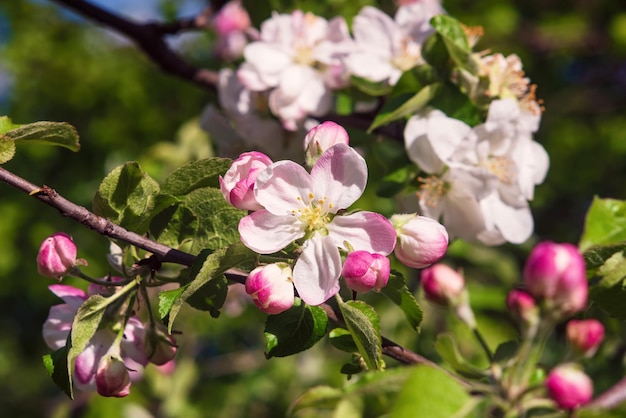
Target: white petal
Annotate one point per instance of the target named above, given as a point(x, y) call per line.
point(268, 60)
point(316, 273)
point(266, 233)
point(283, 187)
point(419, 148)
point(515, 224)
point(366, 231)
point(370, 66)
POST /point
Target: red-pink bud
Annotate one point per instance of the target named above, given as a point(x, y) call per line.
point(237, 185)
point(585, 335)
point(159, 347)
point(364, 271)
point(522, 307)
point(231, 17)
point(322, 137)
point(112, 378)
point(421, 242)
point(555, 274)
point(57, 255)
point(271, 288)
point(569, 387)
point(442, 284)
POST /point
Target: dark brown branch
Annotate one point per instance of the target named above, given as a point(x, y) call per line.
point(149, 38)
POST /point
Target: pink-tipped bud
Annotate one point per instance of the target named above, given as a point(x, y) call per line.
point(232, 17)
point(322, 137)
point(57, 255)
point(421, 242)
point(159, 347)
point(271, 288)
point(237, 185)
point(555, 274)
point(364, 271)
point(585, 335)
point(523, 307)
point(112, 378)
point(442, 284)
point(569, 387)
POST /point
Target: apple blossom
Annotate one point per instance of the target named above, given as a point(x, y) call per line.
point(555, 275)
point(522, 307)
point(569, 387)
point(230, 23)
point(364, 271)
point(237, 185)
point(421, 240)
point(320, 138)
point(57, 255)
point(112, 378)
point(271, 287)
point(442, 284)
point(585, 335)
point(305, 208)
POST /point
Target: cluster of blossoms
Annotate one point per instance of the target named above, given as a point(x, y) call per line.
point(555, 288)
point(293, 206)
point(477, 180)
point(121, 347)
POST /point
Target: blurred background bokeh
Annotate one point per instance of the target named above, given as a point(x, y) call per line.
point(55, 65)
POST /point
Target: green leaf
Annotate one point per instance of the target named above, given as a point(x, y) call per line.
point(397, 291)
point(7, 149)
point(211, 296)
point(363, 323)
point(48, 133)
point(196, 175)
point(395, 181)
point(6, 124)
point(342, 340)
point(446, 347)
point(173, 225)
point(403, 105)
point(455, 40)
point(57, 367)
point(454, 103)
point(218, 220)
point(208, 266)
point(506, 351)
point(609, 292)
point(325, 397)
point(127, 197)
point(605, 223)
point(430, 392)
point(295, 330)
point(167, 299)
point(370, 87)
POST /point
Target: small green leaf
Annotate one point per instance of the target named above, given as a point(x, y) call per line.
point(605, 223)
point(7, 149)
point(325, 397)
point(430, 392)
point(506, 351)
point(211, 296)
point(352, 368)
point(56, 365)
point(363, 323)
point(6, 124)
point(397, 291)
point(295, 330)
point(370, 87)
point(403, 105)
point(342, 340)
point(48, 133)
point(455, 40)
point(454, 103)
point(127, 197)
point(610, 292)
point(167, 299)
point(446, 347)
point(196, 175)
point(174, 225)
point(395, 181)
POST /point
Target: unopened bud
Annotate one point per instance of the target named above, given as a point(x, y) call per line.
point(57, 255)
point(555, 274)
point(422, 241)
point(237, 185)
point(159, 347)
point(112, 378)
point(271, 288)
point(585, 335)
point(232, 17)
point(322, 137)
point(569, 387)
point(446, 286)
point(523, 308)
point(364, 271)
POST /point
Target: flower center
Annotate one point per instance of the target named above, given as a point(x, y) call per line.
point(502, 167)
point(408, 57)
point(432, 189)
point(315, 213)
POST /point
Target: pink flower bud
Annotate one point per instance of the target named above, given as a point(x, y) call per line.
point(422, 241)
point(159, 347)
point(442, 284)
point(232, 17)
point(585, 335)
point(271, 288)
point(112, 378)
point(322, 137)
point(364, 271)
point(237, 185)
point(57, 255)
point(555, 274)
point(569, 387)
point(523, 307)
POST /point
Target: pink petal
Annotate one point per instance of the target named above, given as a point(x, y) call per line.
point(366, 231)
point(266, 233)
point(316, 273)
point(70, 294)
point(283, 187)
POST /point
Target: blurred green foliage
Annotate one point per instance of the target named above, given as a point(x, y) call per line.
point(62, 68)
